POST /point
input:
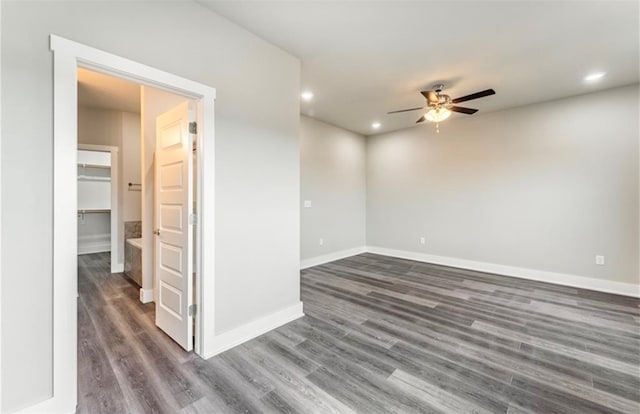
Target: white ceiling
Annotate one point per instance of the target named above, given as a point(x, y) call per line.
point(363, 59)
point(96, 90)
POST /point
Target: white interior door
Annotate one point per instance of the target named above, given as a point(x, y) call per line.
point(174, 234)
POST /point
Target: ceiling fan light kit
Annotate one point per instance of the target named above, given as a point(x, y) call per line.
point(441, 105)
point(438, 114)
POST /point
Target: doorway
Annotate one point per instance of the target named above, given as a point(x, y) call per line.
point(68, 57)
point(135, 172)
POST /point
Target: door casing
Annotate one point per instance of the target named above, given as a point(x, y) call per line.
point(68, 57)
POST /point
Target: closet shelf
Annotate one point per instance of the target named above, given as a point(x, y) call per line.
point(93, 178)
point(94, 182)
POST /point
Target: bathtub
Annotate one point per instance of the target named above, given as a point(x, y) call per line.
point(136, 242)
point(133, 260)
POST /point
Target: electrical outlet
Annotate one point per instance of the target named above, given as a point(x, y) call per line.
point(423, 240)
point(321, 241)
point(600, 260)
point(307, 203)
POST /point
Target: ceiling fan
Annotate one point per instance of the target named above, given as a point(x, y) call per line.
point(441, 105)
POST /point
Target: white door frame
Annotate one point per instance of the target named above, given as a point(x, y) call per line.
point(115, 211)
point(68, 56)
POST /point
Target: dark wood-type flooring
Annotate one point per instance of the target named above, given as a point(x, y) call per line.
point(380, 335)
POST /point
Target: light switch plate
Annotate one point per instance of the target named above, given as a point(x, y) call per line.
point(600, 260)
point(307, 203)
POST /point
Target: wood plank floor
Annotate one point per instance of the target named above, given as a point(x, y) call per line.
point(381, 335)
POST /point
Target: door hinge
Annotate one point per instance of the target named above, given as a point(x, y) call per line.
point(193, 309)
point(193, 127)
point(193, 219)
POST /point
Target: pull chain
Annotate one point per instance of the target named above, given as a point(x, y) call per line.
point(437, 127)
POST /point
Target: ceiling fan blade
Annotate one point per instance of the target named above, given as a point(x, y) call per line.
point(462, 109)
point(431, 96)
point(422, 118)
point(476, 95)
point(405, 110)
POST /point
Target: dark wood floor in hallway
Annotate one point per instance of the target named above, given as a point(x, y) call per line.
point(380, 335)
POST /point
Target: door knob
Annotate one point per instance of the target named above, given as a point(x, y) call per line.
point(156, 232)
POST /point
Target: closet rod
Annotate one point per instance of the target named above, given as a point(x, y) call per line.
point(94, 211)
point(106, 167)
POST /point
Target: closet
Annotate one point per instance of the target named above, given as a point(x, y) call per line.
point(94, 181)
point(94, 201)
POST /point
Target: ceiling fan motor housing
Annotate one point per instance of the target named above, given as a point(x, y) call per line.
point(442, 98)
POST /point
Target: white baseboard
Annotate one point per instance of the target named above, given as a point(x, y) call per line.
point(246, 332)
point(94, 248)
point(330, 257)
point(117, 267)
point(98, 244)
point(582, 282)
point(94, 243)
point(146, 295)
point(58, 405)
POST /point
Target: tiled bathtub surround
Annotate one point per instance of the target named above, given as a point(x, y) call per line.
point(132, 229)
point(133, 262)
point(132, 251)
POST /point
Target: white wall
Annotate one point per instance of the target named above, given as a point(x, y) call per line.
point(545, 187)
point(131, 166)
point(256, 165)
point(333, 178)
point(94, 233)
point(99, 126)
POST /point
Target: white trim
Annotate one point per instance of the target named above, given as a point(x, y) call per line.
point(205, 229)
point(95, 248)
point(0, 215)
point(52, 405)
point(97, 148)
point(248, 331)
point(116, 215)
point(100, 148)
point(582, 282)
point(68, 56)
point(330, 257)
point(146, 295)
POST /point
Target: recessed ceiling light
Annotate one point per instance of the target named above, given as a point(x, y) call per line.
point(307, 96)
point(594, 76)
point(376, 125)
